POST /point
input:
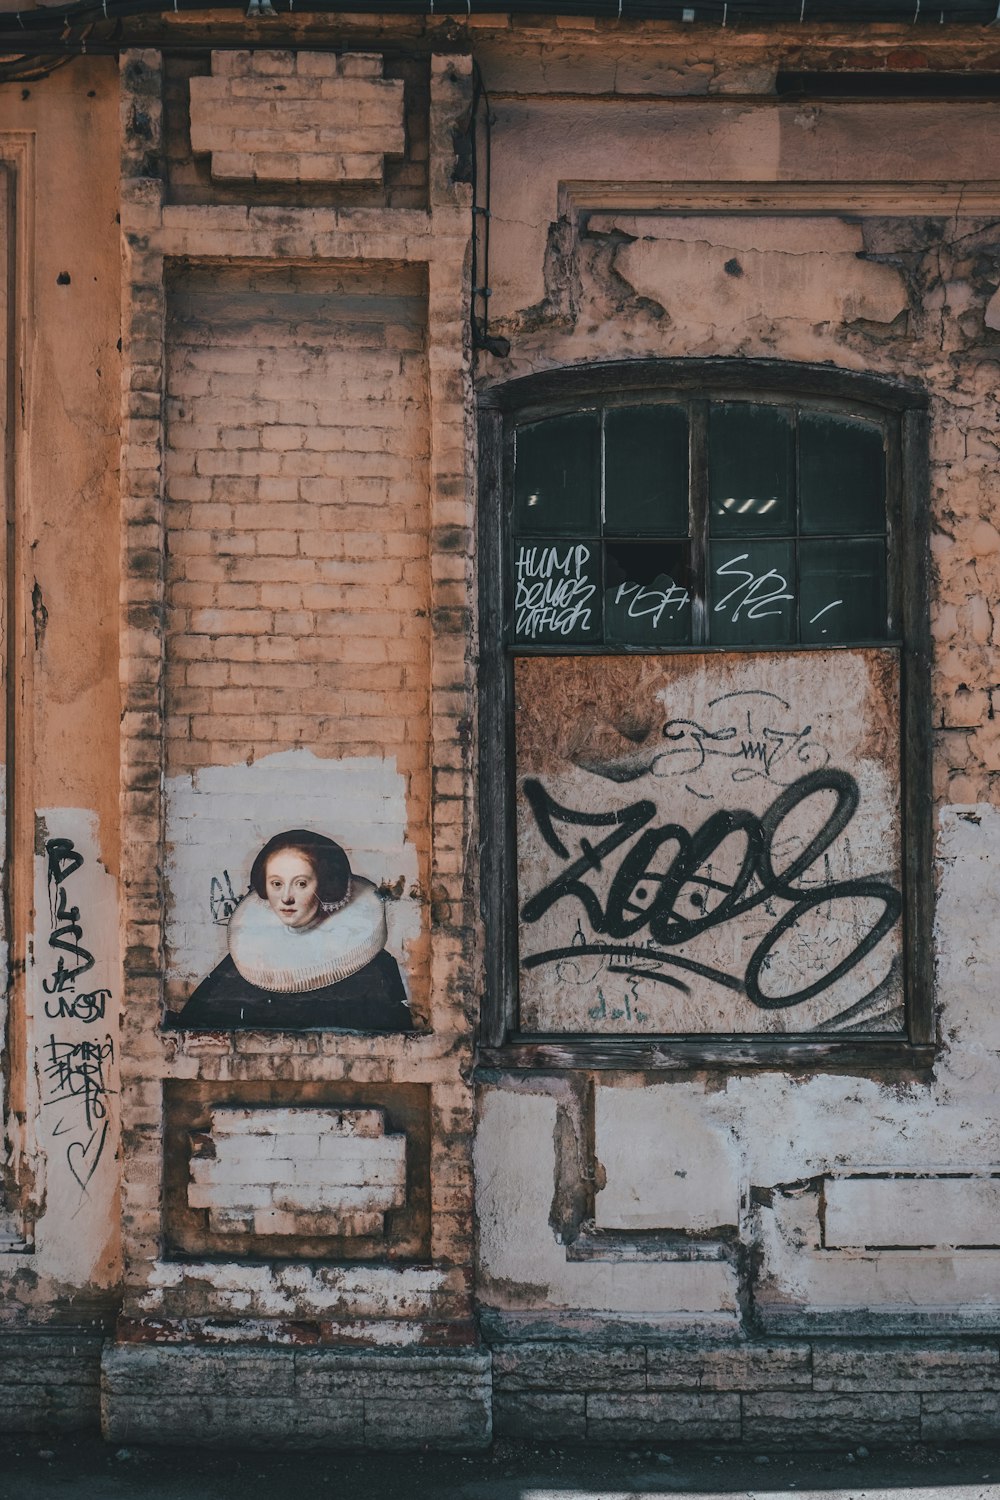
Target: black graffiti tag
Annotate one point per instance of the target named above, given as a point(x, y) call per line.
point(75, 1069)
point(85, 1008)
point(223, 900)
point(67, 934)
point(641, 915)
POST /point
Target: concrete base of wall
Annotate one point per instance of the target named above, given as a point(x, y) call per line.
point(49, 1379)
point(814, 1394)
point(296, 1398)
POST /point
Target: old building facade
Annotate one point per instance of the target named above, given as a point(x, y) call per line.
point(501, 765)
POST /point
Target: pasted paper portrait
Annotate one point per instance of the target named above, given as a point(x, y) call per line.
point(306, 948)
point(709, 843)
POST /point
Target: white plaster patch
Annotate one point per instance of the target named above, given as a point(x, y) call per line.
point(299, 1290)
point(217, 820)
point(666, 1166)
point(10, 1229)
point(786, 1133)
point(931, 1211)
point(293, 1171)
point(515, 1170)
point(966, 945)
point(73, 1000)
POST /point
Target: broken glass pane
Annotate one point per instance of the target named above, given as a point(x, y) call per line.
point(647, 593)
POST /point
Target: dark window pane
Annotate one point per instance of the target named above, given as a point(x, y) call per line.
point(751, 593)
point(841, 474)
point(646, 471)
point(750, 468)
point(842, 591)
point(647, 593)
point(556, 591)
point(557, 476)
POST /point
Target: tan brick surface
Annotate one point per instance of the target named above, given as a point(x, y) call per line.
point(297, 117)
point(297, 453)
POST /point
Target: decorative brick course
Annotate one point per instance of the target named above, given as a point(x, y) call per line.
point(297, 116)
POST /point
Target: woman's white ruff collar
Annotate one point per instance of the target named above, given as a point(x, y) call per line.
point(290, 960)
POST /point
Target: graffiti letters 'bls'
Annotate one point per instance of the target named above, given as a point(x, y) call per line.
point(709, 843)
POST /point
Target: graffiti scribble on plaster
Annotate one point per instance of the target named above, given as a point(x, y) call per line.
point(698, 852)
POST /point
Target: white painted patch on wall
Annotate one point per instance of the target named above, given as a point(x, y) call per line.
point(525, 1265)
point(73, 997)
point(294, 1171)
point(11, 1227)
point(908, 1168)
point(217, 820)
point(666, 1166)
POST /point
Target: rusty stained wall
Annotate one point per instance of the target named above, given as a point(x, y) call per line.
point(57, 140)
point(583, 269)
point(650, 200)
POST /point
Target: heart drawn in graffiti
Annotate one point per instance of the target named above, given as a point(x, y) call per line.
point(80, 1151)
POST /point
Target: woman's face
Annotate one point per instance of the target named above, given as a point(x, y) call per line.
point(291, 885)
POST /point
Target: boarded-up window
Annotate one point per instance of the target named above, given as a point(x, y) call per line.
point(704, 654)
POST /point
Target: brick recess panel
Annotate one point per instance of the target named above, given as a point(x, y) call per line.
point(296, 478)
point(298, 575)
point(297, 1171)
point(297, 116)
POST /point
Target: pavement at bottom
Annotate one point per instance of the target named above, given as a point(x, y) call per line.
point(84, 1468)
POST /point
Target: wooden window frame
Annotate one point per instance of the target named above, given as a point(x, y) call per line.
point(902, 407)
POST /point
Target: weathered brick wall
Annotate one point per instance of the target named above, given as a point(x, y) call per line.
point(297, 116)
point(298, 569)
point(297, 1171)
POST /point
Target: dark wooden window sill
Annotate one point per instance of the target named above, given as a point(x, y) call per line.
point(881, 1057)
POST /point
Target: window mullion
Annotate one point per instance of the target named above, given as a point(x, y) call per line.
point(698, 520)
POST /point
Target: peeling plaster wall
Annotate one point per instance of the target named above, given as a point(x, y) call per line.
point(57, 139)
point(857, 235)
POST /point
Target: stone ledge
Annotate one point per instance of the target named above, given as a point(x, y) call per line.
point(265, 1397)
point(49, 1379)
